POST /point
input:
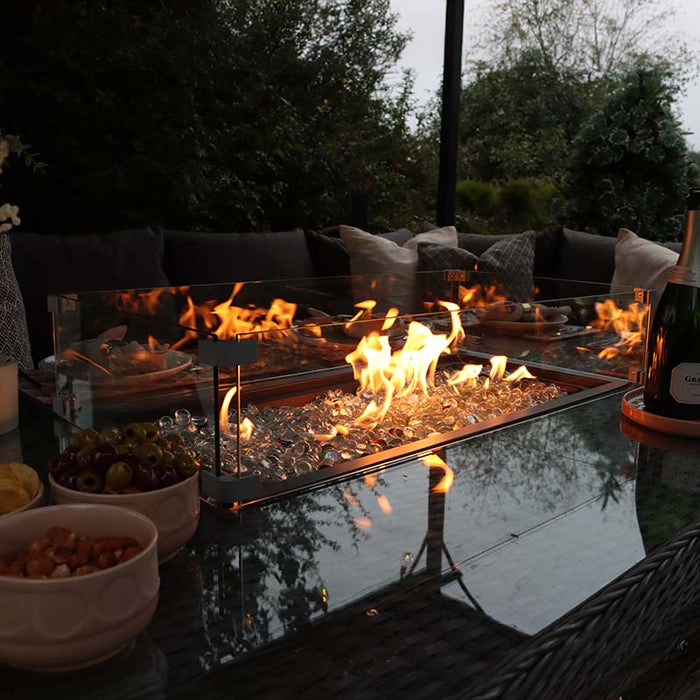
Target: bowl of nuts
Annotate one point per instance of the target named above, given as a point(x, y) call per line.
point(77, 582)
point(137, 467)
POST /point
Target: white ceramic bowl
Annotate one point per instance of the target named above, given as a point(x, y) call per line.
point(36, 502)
point(63, 624)
point(174, 509)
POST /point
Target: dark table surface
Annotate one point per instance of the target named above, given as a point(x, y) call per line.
point(545, 571)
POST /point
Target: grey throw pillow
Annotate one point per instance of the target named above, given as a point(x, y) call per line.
point(508, 263)
point(14, 339)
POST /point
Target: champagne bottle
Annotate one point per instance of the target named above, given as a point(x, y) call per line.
point(672, 387)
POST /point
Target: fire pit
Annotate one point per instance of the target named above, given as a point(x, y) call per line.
point(279, 385)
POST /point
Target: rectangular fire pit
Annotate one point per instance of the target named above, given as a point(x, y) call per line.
point(274, 394)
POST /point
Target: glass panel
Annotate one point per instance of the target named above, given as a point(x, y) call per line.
point(320, 376)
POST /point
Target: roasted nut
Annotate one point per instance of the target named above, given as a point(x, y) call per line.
point(87, 569)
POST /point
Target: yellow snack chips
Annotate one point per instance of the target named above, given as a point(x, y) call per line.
point(18, 485)
point(27, 477)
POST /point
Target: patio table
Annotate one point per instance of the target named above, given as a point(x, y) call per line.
point(564, 561)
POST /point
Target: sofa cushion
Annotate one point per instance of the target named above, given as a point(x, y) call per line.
point(14, 338)
point(78, 263)
point(547, 243)
point(584, 256)
point(508, 263)
point(209, 258)
point(372, 256)
point(641, 263)
point(329, 255)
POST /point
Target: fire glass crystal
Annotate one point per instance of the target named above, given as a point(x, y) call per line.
point(289, 441)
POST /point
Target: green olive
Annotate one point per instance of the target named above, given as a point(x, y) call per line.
point(76, 440)
point(83, 438)
point(185, 464)
point(128, 446)
point(147, 432)
point(84, 457)
point(149, 453)
point(110, 436)
point(119, 476)
point(131, 430)
point(168, 457)
point(89, 482)
point(175, 439)
point(90, 437)
point(163, 443)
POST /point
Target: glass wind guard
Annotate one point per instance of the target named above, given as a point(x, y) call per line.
point(336, 390)
point(117, 362)
point(287, 382)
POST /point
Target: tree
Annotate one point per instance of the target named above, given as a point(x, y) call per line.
point(595, 38)
point(221, 114)
point(519, 119)
point(630, 163)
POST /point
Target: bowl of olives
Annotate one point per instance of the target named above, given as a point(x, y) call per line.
point(137, 467)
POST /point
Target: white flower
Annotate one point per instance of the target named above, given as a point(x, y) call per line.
point(9, 211)
point(5, 227)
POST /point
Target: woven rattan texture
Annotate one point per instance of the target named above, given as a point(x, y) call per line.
point(603, 635)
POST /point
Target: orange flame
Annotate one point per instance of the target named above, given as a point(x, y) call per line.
point(412, 368)
point(479, 295)
point(224, 426)
point(434, 462)
point(498, 366)
point(142, 302)
point(245, 429)
point(388, 374)
point(227, 321)
point(628, 323)
point(391, 316)
point(467, 375)
point(518, 374)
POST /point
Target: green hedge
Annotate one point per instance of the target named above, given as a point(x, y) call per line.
point(507, 207)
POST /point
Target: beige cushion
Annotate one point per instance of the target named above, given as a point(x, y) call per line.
point(372, 256)
point(640, 263)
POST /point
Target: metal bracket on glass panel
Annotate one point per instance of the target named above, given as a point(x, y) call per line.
point(229, 488)
point(635, 375)
point(61, 303)
point(455, 276)
point(643, 296)
point(228, 353)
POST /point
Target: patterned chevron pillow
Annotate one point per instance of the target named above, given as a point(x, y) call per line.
point(508, 263)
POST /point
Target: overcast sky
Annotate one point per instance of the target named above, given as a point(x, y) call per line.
point(426, 19)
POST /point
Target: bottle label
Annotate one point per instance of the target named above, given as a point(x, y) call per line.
point(684, 275)
point(685, 383)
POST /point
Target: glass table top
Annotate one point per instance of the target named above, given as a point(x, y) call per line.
point(385, 585)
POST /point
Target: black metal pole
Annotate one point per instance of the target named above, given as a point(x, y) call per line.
point(449, 121)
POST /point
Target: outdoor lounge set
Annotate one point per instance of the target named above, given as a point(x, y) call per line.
point(150, 257)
